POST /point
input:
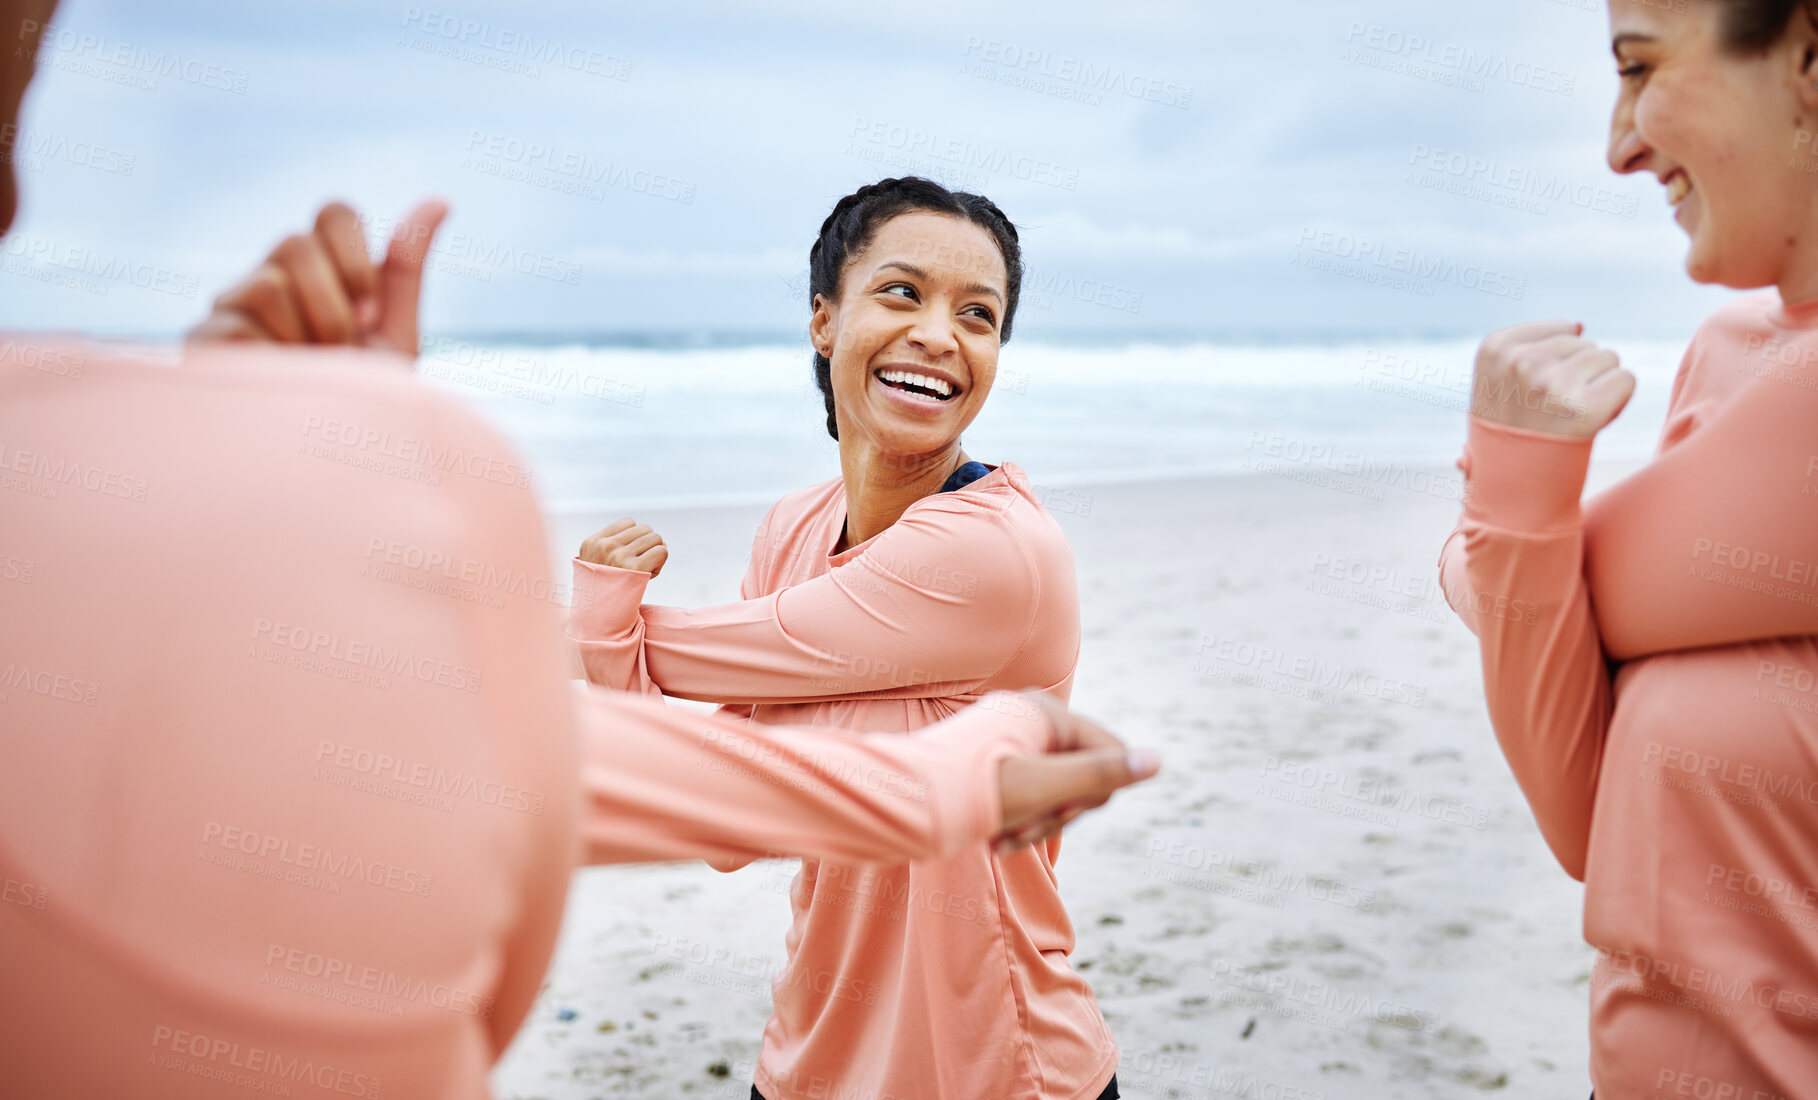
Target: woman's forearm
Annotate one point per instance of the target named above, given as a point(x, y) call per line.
point(666, 784)
point(893, 622)
point(1513, 571)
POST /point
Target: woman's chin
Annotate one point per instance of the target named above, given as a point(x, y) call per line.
point(920, 430)
point(910, 444)
point(1710, 266)
point(1704, 261)
point(1698, 268)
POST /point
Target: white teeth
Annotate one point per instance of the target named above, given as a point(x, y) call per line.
point(938, 385)
point(1677, 188)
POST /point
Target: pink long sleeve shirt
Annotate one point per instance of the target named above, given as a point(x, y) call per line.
point(941, 979)
point(1652, 676)
point(291, 780)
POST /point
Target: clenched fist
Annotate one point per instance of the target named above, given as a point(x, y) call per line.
point(626, 544)
point(1546, 377)
point(322, 287)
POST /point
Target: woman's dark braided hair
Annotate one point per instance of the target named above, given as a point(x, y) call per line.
point(1750, 26)
point(855, 221)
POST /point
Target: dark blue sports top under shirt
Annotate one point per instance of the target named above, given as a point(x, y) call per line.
point(965, 476)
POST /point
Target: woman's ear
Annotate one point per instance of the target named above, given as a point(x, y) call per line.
point(820, 328)
point(1802, 46)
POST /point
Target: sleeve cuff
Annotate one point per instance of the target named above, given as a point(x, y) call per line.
point(604, 604)
point(1521, 480)
point(998, 726)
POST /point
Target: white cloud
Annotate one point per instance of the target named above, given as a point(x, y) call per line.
point(1199, 203)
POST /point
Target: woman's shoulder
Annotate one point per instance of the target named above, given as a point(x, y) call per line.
point(1749, 336)
point(1002, 508)
point(1004, 496)
point(1744, 316)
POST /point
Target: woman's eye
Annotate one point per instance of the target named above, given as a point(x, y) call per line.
point(982, 314)
point(1630, 71)
point(908, 291)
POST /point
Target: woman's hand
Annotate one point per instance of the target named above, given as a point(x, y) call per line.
point(1546, 377)
point(322, 287)
point(1040, 794)
point(626, 544)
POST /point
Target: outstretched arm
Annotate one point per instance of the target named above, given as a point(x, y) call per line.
point(663, 784)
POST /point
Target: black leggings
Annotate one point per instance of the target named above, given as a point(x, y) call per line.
point(1110, 1092)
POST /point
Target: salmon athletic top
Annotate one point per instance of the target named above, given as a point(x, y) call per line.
point(939, 979)
point(1652, 675)
point(291, 778)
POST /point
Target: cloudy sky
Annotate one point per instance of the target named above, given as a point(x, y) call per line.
point(1244, 168)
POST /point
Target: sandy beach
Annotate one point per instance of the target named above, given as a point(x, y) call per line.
point(1333, 890)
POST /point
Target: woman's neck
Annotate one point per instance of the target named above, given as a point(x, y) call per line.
point(880, 487)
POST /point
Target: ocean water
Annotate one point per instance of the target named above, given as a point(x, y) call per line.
point(621, 429)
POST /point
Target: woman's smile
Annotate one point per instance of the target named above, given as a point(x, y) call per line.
point(1678, 186)
point(917, 389)
point(1682, 197)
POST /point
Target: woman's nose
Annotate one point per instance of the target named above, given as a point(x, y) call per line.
point(933, 334)
point(1627, 151)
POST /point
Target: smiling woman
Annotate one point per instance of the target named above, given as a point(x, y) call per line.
point(884, 600)
point(1714, 100)
point(914, 290)
point(1645, 712)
